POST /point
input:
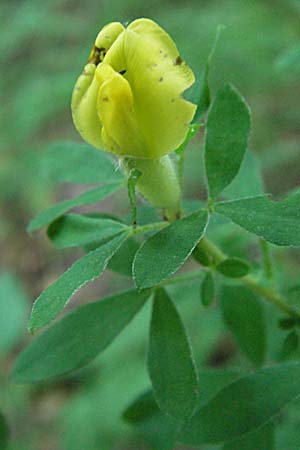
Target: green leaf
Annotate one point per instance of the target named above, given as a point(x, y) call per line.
point(87, 198)
point(276, 222)
point(233, 268)
point(290, 345)
point(170, 361)
point(122, 260)
point(78, 338)
point(248, 181)
point(212, 381)
point(244, 315)
point(160, 429)
point(143, 407)
point(14, 307)
point(53, 299)
point(226, 140)
point(204, 98)
point(261, 439)
point(207, 289)
point(73, 162)
point(4, 433)
point(75, 230)
point(164, 252)
point(244, 406)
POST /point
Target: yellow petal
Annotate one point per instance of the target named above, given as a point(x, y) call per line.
point(157, 77)
point(104, 41)
point(85, 93)
point(84, 106)
point(120, 133)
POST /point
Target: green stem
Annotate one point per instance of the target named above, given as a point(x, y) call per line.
point(271, 295)
point(208, 247)
point(268, 293)
point(266, 258)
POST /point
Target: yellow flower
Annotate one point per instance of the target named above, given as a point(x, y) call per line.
point(128, 99)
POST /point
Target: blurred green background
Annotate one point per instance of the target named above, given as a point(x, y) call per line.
point(43, 47)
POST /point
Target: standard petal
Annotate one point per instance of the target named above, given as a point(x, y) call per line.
point(157, 76)
point(146, 27)
point(120, 134)
point(84, 111)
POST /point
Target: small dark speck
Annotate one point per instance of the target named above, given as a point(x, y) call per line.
point(178, 61)
point(160, 51)
point(173, 100)
point(161, 79)
point(105, 99)
point(165, 55)
point(122, 72)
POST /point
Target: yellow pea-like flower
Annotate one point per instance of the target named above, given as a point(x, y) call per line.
point(128, 100)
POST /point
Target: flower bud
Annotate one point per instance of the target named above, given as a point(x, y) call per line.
point(128, 99)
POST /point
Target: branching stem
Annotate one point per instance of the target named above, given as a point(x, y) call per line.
point(269, 293)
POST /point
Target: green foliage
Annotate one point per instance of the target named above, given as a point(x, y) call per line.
point(50, 303)
point(226, 139)
point(87, 198)
point(261, 396)
point(78, 163)
point(159, 428)
point(133, 177)
point(262, 439)
point(67, 345)
point(290, 344)
point(203, 99)
point(121, 262)
point(77, 230)
point(244, 315)
point(276, 222)
point(162, 254)
point(233, 268)
point(170, 361)
point(235, 409)
point(248, 181)
point(207, 293)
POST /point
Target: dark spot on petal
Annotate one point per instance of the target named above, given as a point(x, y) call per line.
point(178, 61)
point(173, 100)
point(161, 79)
point(97, 55)
point(165, 55)
point(105, 99)
point(122, 72)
